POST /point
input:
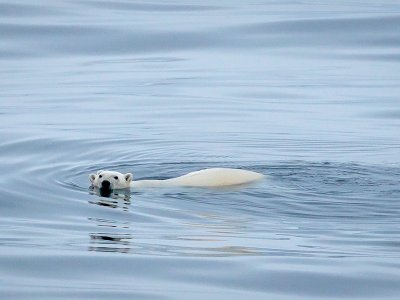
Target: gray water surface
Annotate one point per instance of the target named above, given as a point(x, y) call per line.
point(305, 92)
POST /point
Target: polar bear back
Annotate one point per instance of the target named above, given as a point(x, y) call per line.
point(215, 177)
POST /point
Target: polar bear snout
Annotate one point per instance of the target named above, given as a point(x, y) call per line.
point(105, 184)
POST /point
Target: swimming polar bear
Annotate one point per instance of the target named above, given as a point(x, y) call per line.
point(214, 177)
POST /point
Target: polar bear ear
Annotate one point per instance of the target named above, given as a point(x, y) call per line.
point(92, 177)
point(128, 177)
point(99, 171)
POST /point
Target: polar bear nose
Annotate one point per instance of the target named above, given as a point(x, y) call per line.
point(105, 184)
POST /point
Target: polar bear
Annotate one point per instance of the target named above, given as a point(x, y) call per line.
point(213, 177)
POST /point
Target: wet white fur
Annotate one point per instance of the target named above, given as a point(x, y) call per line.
point(214, 177)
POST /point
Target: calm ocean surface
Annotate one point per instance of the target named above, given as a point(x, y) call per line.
point(306, 92)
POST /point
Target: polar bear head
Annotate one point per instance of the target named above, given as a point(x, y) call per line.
point(110, 180)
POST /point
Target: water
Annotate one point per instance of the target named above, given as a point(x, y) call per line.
point(306, 92)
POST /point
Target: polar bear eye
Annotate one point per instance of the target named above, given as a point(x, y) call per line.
point(100, 176)
point(116, 177)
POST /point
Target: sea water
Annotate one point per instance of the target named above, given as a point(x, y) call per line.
point(305, 92)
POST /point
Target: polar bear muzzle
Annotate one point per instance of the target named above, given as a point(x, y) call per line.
point(106, 185)
point(105, 188)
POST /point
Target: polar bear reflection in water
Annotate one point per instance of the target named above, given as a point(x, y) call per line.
point(108, 181)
